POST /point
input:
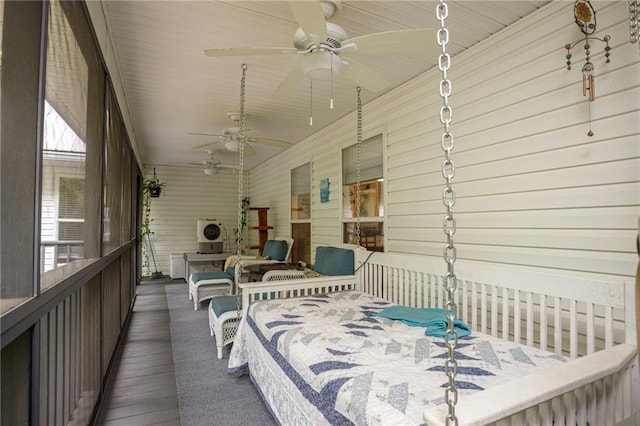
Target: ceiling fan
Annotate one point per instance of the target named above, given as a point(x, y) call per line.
point(230, 137)
point(212, 166)
point(325, 48)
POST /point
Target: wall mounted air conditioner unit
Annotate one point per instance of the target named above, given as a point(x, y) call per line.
point(209, 235)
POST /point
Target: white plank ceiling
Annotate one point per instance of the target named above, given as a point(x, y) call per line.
point(173, 89)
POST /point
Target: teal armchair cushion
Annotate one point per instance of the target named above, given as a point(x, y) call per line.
point(275, 250)
point(231, 271)
point(334, 261)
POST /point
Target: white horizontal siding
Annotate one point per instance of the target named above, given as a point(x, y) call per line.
point(605, 218)
point(190, 195)
point(532, 188)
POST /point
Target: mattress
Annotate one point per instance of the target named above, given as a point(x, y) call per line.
point(325, 359)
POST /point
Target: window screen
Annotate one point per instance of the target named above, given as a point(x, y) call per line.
point(363, 203)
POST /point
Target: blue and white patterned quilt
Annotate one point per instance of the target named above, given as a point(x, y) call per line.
point(354, 368)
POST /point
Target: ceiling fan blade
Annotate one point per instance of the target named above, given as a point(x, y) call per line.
point(310, 17)
point(249, 51)
point(227, 166)
point(202, 134)
point(290, 83)
point(363, 76)
point(205, 145)
point(271, 142)
point(251, 134)
point(248, 150)
point(393, 41)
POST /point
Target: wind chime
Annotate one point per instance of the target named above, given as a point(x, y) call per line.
point(585, 18)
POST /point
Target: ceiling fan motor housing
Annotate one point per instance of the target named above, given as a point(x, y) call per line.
point(211, 165)
point(335, 36)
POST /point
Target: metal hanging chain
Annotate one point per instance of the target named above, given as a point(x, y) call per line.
point(240, 180)
point(241, 156)
point(634, 21)
point(358, 151)
point(449, 223)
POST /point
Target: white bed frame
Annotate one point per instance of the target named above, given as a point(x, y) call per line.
point(580, 317)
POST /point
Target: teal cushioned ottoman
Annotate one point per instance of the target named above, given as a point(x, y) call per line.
point(221, 304)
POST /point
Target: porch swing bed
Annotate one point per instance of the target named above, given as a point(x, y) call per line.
point(543, 349)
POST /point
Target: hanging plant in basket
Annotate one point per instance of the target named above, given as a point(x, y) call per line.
point(153, 187)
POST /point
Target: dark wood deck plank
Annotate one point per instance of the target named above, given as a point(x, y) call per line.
point(151, 418)
point(143, 388)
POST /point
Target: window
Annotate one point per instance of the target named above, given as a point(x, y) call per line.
point(70, 219)
point(301, 192)
point(64, 150)
point(301, 213)
point(62, 208)
point(366, 201)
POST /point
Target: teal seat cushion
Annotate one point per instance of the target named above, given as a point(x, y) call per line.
point(334, 261)
point(221, 304)
point(231, 272)
point(275, 250)
point(210, 275)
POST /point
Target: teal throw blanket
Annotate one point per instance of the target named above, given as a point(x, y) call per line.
point(431, 318)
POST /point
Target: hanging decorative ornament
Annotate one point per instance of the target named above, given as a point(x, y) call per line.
point(634, 21)
point(585, 18)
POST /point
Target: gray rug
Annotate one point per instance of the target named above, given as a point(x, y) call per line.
point(207, 395)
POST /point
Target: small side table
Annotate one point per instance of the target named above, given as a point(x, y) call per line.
point(190, 258)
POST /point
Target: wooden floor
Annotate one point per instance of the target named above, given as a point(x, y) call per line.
point(143, 389)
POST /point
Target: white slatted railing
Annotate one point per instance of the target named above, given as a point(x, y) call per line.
point(263, 290)
point(568, 315)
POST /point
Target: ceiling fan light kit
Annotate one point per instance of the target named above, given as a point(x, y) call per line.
point(320, 65)
point(232, 145)
point(210, 171)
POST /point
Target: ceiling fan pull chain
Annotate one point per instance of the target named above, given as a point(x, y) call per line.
point(331, 81)
point(310, 103)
